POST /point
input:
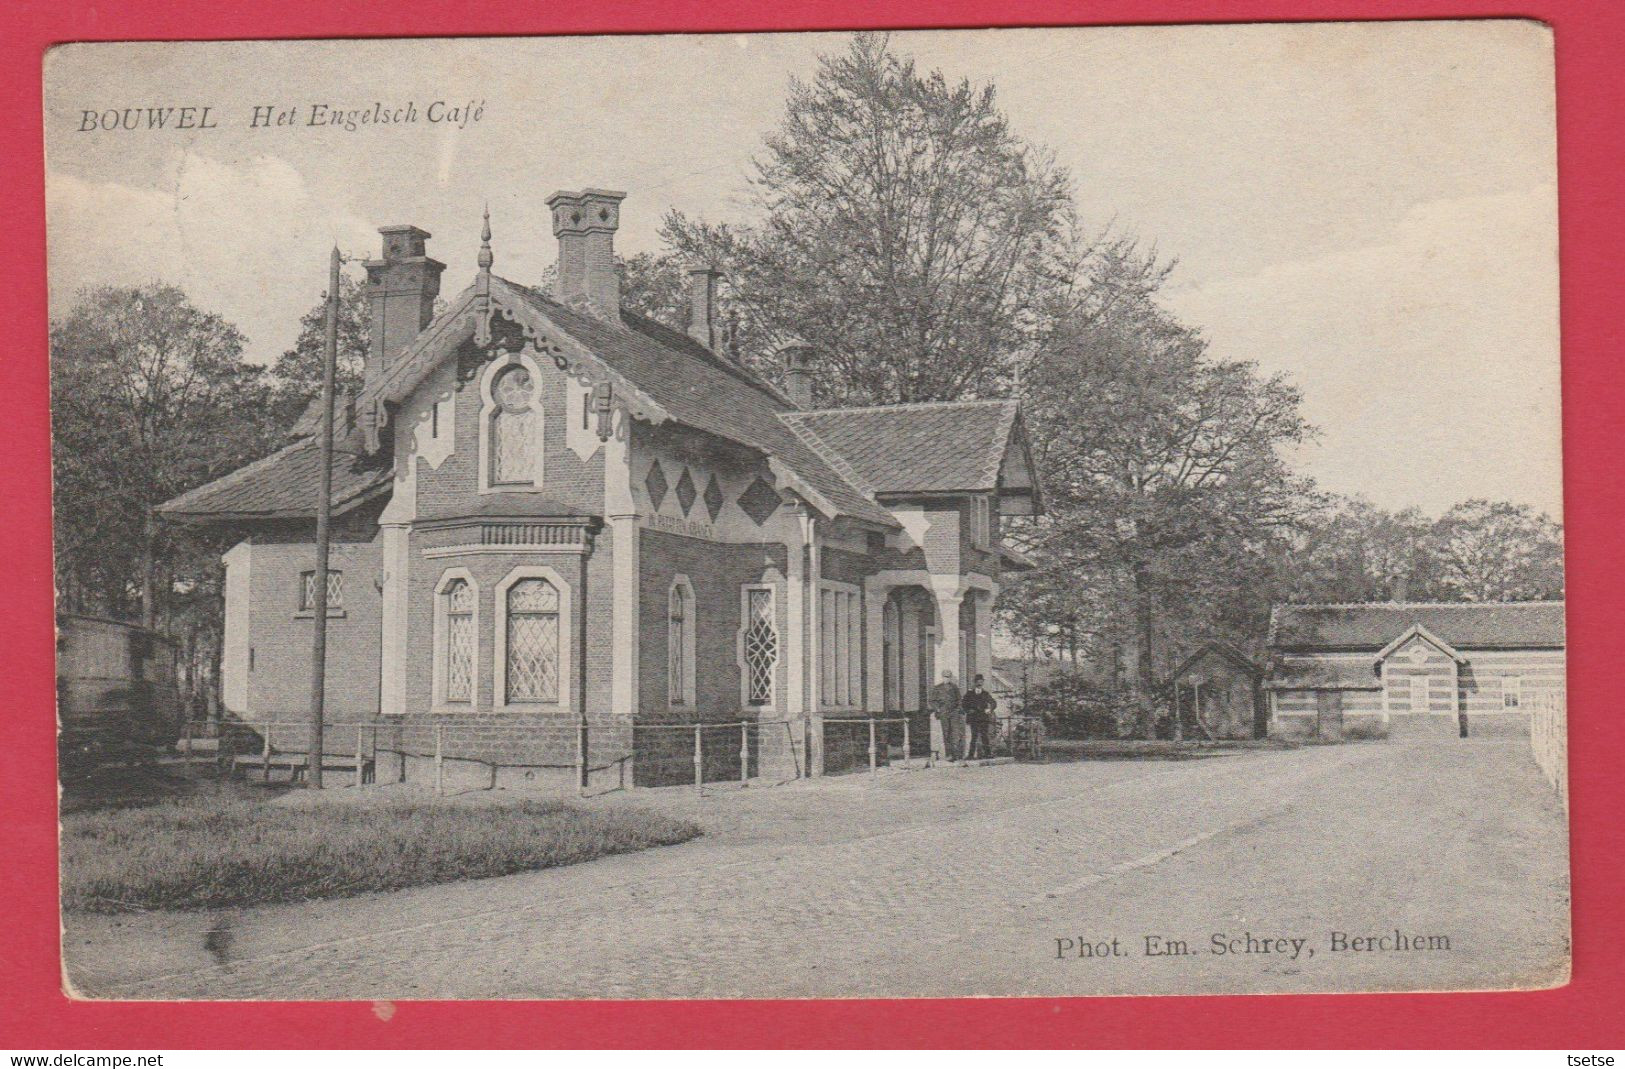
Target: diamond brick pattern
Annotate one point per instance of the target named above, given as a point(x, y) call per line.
point(685, 491)
point(656, 484)
point(713, 498)
point(758, 501)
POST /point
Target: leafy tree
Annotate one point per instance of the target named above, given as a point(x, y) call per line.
point(1352, 551)
point(1497, 551)
point(297, 373)
point(149, 398)
point(907, 234)
point(1164, 478)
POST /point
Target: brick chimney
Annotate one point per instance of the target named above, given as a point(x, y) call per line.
point(703, 325)
point(585, 224)
point(401, 288)
point(798, 374)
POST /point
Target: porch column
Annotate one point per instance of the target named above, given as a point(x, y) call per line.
point(392, 653)
point(874, 646)
point(983, 643)
point(948, 600)
point(792, 704)
point(814, 650)
point(622, 518)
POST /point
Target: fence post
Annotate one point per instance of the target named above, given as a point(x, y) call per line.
point(581, 756)
point(873, 766)
point(908, 754)
point(186, 745)
point(439, 759)
point(744, 751)
point(265, 754)
point(358, 754)
point(699, 762)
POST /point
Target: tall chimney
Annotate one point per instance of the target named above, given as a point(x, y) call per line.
point(585, 224)
point(401, 288)
point(702, 306)
point(798, 374)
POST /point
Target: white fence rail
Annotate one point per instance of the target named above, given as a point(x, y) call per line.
point(1549, 740)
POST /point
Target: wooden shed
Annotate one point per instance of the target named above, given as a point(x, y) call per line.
point(1217, 693)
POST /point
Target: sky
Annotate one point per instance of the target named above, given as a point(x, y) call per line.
point(1369, 209)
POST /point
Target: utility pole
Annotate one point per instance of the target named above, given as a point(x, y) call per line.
point(324, 515)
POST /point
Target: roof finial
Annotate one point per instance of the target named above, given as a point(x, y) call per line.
point(486, 257)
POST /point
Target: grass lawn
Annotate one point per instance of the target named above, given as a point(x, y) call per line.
point(210, 850)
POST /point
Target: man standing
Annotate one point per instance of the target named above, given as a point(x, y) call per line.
point(979, 705)
point(945, 707)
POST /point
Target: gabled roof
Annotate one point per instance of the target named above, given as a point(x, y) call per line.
point(664, 372)
point(1418, 631)
point(1463, 625)
point(1222, 650)
point(285, 484)
point(934, 447)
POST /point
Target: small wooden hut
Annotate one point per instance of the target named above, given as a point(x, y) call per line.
point(1217, 693)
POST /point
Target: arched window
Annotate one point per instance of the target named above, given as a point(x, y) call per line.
point(680, 625)
point(532, 668)
point(515, 424)
point(457, 643)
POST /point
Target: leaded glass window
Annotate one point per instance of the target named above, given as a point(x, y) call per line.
point(532, 670)
point(761, 646)
point(677, 626)
point(307, 590)
point(513, 428)
point(458, 603)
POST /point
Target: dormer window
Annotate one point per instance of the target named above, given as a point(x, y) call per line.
point(511, 431)
point(981, 521)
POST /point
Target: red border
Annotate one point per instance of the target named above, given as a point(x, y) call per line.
point(1590, 38)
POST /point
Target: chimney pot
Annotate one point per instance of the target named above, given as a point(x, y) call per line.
point(798, 374)
point(702, 306)
point(401, 288)
point(585, 224)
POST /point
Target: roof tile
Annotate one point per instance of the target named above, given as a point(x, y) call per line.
point(1465, 625)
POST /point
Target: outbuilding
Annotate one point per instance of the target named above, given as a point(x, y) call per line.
point(1412, 669)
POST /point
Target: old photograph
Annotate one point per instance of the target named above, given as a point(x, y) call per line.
point(809, 515)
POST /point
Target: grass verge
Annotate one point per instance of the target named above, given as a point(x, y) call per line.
point(215, 851)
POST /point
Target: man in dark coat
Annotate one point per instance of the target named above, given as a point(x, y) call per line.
point(979, 705)
point(945, 707)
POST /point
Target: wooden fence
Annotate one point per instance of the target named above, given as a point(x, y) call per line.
point(1549, 739)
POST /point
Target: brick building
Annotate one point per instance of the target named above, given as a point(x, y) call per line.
point(556, 520)
point(1439, 669)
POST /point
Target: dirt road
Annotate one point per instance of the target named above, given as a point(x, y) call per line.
point(1361, 867)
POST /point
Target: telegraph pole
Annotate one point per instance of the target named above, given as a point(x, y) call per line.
point(324, 515)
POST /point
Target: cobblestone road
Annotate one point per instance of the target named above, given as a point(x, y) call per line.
point(948, 882)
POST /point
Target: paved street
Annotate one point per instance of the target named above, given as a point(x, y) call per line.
point(957, 882)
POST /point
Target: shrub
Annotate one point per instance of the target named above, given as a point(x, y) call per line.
point(1074, 707)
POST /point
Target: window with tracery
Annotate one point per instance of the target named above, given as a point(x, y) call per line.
point(307, 591)
point(760, 645)
point(532, 669)
point(457, 669)
point(515, 424)
point(679, 643)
